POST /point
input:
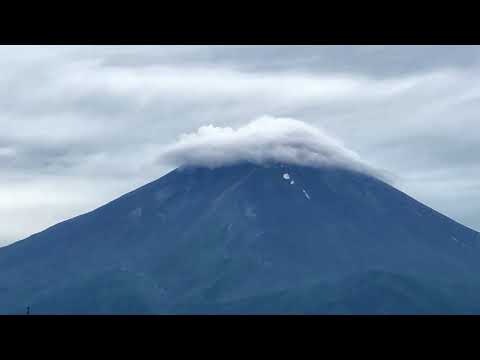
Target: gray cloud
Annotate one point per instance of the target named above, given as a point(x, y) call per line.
point(373, 61)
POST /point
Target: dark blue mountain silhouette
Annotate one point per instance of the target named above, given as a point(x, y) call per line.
point(249, 239)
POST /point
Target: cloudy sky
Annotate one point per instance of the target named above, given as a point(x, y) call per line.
point(81, 125)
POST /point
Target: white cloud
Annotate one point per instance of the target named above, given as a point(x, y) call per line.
point(266, 139)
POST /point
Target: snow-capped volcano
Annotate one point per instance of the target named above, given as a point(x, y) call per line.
point(274, 237)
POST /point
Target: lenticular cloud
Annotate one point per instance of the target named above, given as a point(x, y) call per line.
point(264, 140)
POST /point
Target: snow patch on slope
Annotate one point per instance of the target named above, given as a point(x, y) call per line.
point(306, 194)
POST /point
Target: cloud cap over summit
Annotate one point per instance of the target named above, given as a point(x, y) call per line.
point(263, 140)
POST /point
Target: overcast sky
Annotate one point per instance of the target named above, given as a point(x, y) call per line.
point(81, 125)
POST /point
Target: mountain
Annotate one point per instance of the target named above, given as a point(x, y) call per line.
point(248, 238)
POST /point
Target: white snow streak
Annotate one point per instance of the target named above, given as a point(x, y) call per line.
point(306, 194)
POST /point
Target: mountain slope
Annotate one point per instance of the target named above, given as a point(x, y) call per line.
point(249, 238)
